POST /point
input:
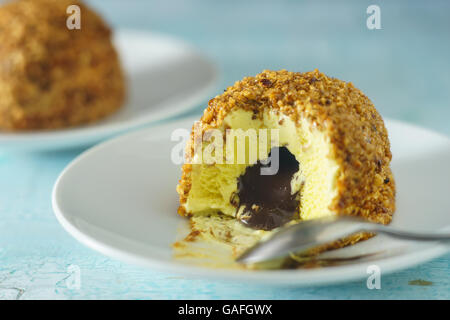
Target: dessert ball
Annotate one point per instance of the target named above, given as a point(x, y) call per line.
point(333, 157)
point(53, 77)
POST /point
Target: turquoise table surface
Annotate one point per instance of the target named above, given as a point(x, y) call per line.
point(404, 68)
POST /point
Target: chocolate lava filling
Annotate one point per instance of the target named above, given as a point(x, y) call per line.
point(267, 199)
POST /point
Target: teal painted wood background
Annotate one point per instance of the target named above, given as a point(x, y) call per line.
point(404, 68)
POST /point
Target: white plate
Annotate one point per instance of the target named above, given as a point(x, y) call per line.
point(165, 77)
point(119, 198)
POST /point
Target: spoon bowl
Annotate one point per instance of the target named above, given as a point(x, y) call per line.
point(311, 234)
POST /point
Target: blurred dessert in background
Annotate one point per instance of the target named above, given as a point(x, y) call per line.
point(51, 76)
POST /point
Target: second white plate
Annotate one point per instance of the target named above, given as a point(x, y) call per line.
point(119, 198)
point(165, 77)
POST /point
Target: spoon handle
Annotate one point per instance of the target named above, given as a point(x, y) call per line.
point(407, 235)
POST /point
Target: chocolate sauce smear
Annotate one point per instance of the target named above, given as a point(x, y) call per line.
point(267, 199)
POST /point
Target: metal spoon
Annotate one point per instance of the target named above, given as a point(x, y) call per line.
point(313, 233)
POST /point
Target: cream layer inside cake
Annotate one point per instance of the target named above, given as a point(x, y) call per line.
point(214, 185)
